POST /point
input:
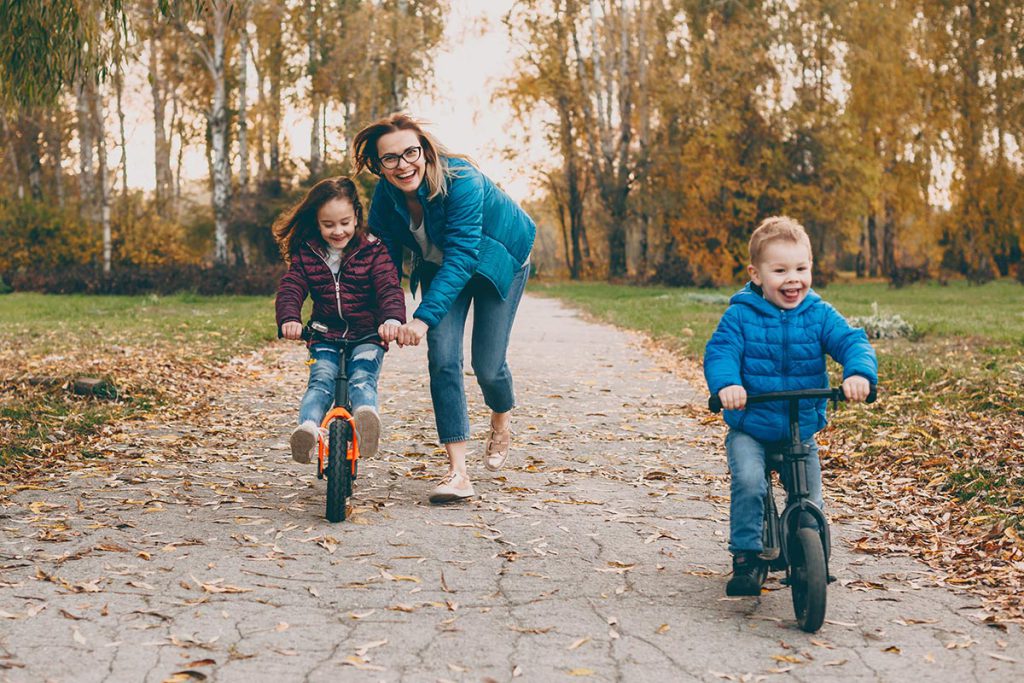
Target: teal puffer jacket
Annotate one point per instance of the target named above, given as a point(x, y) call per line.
point(764, 348)
point(478, 227)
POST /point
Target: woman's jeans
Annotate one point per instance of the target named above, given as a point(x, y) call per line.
point(748, 488)
point(492, 325)
point(363, 370)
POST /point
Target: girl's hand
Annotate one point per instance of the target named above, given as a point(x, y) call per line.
point(856, 388)
point(388, 331)
point(733, 397)
point(291, 330)
point(411, 333)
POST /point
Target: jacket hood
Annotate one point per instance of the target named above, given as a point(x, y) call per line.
point(751, 296)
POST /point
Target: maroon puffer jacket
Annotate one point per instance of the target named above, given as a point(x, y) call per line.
point(364, 295)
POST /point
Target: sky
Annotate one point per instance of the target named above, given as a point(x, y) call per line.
point(469, 67)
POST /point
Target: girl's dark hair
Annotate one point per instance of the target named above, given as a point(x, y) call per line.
point(435, 155)
point(298, 224)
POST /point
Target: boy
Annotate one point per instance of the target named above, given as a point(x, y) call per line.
point(773, 337)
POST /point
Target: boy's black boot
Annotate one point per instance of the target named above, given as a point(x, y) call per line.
point(745, 579)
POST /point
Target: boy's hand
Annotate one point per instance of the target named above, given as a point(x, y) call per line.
point(856, 388)
point(388, 331)
point(291, 330)
point(734, 397)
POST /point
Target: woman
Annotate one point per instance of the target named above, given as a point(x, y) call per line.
point(471, 245)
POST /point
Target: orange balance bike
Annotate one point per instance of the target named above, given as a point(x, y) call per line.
point(338, 456)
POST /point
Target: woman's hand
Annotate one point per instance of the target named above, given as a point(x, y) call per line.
point(291, 330)
point(412, 332)
point(733, 397)
point(856, 388)
point(388, 331)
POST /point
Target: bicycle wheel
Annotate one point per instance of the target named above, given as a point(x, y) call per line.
point(808, 580)
point(338, 480)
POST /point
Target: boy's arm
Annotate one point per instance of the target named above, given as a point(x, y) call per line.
point(849, 346)
point(723, 353)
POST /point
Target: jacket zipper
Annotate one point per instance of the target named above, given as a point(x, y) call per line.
point(337, 284)
point(785, 344)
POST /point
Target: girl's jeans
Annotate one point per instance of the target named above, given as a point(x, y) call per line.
point(363, 370)
point(492, 325)
point(748, 488)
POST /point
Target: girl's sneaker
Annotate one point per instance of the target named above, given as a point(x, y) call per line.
point(367, 430)
point(303, 441)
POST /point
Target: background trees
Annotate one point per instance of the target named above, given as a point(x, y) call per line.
point(221, 76)
point(890, 128)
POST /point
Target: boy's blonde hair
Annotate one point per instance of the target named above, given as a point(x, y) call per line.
point(773, 229)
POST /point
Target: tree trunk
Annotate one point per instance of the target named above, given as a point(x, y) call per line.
point(313, 54)
point(12, 154)
point(103, 194)
point(872, 245)
point(218, 118)
point(55, 147)
point(31, 133)
point(243, 103)
point(164, 190)
point(119, 90)
point(86, 144)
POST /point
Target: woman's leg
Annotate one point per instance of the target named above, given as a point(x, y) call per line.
point(447, 392)
point(492, 326)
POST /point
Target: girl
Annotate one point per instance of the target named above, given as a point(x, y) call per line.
point(471, 245)
point(354, 287)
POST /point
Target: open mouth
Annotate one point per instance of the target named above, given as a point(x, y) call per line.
point(406, 176)
point(791, 295)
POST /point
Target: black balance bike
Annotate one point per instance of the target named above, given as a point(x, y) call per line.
point(798, 540)
point(338, 459)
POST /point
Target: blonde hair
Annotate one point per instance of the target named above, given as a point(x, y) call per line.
point(435, 155)
point(774, 229)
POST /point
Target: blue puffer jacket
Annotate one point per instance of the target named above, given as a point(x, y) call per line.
point(480, 229)
point(764, 348)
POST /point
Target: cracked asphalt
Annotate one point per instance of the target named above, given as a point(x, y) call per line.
point(200, 551)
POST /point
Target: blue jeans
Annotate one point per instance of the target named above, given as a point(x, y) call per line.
point(748, 488)
point(363, 370)
point(492, 325)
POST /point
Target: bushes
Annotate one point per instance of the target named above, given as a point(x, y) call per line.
point(159, 279)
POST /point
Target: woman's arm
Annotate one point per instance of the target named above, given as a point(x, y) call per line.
point(464, 214)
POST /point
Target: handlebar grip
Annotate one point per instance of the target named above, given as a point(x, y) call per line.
point(714, 404)
point(872, 395)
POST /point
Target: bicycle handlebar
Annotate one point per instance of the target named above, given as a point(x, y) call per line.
point(314, 330)
point(834, 394)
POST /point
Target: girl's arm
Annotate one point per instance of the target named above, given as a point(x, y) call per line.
point(390, 298)
point(291, 293)
point(464, 213)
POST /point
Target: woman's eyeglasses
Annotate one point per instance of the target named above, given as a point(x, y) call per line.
point(411, 155)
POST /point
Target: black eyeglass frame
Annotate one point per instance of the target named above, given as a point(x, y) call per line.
point(393, 161)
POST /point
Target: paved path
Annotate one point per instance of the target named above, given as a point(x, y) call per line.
point(599, 555)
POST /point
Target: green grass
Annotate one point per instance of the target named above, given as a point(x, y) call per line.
point(686, 317)
point(218, 327)
point(60, 337)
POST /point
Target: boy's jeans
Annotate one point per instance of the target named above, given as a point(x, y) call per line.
point(363, 370)
point(748, 488)
point(492, 325)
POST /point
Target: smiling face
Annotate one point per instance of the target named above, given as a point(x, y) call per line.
point(337, 222)
point(406, 176)
point(783, 272)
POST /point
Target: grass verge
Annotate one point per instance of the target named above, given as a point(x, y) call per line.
point(161, 353)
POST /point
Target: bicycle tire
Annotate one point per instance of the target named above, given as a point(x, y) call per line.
point(338, 480)
point(808, 580)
